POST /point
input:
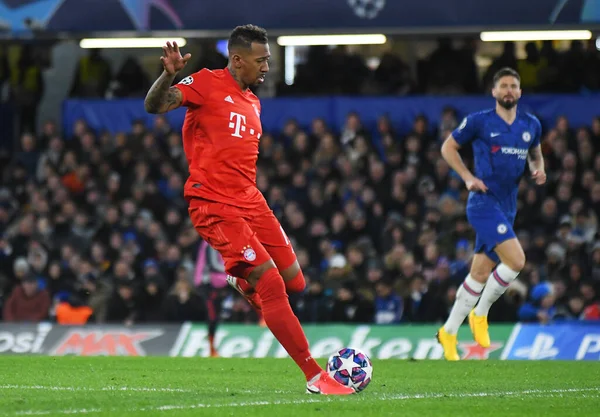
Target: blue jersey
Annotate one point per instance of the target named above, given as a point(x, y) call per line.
point(500, 151)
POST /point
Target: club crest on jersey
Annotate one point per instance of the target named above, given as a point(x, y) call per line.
point(249, 254)
point(187, 80)
point(526, 136)
point(502, 228)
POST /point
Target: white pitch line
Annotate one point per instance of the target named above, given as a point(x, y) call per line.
point(553, 393)
point(133, 389)
point(59, 388)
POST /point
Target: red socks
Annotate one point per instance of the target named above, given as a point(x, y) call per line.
point(297, 284)
point(282, 322)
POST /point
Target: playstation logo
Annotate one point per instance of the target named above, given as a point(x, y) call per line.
point(541, 348)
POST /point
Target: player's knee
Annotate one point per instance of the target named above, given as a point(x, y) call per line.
point(259, 271)
point(517, 264)
point(480, 275)
point(270, 287)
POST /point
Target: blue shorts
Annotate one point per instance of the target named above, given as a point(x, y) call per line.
point(492, 226)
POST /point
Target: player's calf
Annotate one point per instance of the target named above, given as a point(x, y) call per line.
point(466, 298)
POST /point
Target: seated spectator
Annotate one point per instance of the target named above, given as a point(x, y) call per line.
point(389, 307)
point(540, 308)
point(27, 302)
point(183, 304)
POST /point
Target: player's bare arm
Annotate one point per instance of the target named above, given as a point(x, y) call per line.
point(535, 158)
point(161, 97)
point(451, 155)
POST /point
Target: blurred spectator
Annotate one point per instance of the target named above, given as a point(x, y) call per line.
point(130, 80)
point(540, 308)
point(350, 307)
point(123, 305)
point(183, 304)
point(531, 67)
point(376, 218)
point(92, 75)
point(73, 311)
point(27, 86)
point(388, 305)
point(27, 302)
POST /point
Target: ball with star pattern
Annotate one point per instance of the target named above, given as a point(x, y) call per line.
point(351, 367)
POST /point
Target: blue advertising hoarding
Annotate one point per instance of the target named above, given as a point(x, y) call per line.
point(118, 115)
point(559, 341)
point(308, 15)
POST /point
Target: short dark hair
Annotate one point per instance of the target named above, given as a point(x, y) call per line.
point(244, 36)
point(504, 72)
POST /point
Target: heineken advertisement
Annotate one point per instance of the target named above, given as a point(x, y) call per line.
point(379, 342)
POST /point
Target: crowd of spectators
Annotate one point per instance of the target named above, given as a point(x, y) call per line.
point(94, 227)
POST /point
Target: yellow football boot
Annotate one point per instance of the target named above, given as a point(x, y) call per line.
point(479, 328)
point(449, 343)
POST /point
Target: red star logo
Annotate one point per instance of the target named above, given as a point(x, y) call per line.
point(473, 351)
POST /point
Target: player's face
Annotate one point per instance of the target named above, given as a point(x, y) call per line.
point(507, 91)
point(254, 64)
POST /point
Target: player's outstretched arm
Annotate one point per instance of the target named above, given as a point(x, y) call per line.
point(451, 155)
point(161, 97)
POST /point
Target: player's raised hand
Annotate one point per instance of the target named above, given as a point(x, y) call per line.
point(475, 184)
point(539, 177)
point(172, 60)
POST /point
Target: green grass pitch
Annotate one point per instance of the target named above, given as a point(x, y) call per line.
point(113, 386)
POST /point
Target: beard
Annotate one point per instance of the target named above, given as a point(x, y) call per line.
point(507, 104)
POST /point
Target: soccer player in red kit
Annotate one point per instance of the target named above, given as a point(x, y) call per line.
point(221, 132)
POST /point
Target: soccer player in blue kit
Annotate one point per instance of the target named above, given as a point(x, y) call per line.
point(503, 140)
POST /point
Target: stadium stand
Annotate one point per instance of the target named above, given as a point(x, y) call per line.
point(95, 227)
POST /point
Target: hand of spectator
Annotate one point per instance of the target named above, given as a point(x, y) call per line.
point(172, 60)
point(543, 317)
point(539, 177)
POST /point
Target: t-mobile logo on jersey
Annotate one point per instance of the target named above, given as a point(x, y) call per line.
point(238, 124)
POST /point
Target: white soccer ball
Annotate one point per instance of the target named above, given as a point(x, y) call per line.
point(351, 367)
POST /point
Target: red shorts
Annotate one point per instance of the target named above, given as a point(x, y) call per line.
point(245, 238)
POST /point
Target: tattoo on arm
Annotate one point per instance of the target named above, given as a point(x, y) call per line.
point(161, 97)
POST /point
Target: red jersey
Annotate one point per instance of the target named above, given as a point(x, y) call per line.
point(221, 131)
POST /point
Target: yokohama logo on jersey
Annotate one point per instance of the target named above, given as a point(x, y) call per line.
point(521, 153)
